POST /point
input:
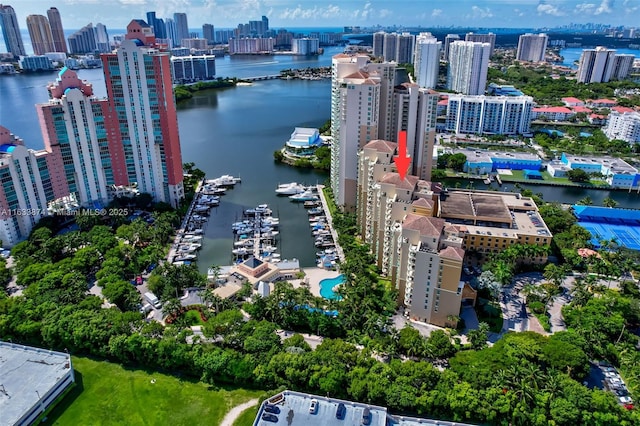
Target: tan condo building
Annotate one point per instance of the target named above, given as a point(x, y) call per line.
point(422, 236)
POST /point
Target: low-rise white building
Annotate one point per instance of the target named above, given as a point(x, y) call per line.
point(30, 381)
point(624, 126)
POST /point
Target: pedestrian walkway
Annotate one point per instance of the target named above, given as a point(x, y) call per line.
point(334, 234)
point(235, 412)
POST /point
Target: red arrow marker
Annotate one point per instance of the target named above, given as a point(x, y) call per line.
point(401, 160)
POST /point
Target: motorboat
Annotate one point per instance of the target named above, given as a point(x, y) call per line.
point(325, 243)
point(247, 242)
point(191, 237)
point(310, 204)
point(271, 221)
point(183, 257)
point(211, 189)
point(225, 180)
point(261, 210)
point(290, 188)
point(242, 251)
point(307, 195)
point(315, 211)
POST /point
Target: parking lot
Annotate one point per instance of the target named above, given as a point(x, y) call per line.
point(604, 376)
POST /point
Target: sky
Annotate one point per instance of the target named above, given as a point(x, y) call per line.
point(336, 13)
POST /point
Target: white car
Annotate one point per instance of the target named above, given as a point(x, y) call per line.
point(313, 408)
point(625, 400)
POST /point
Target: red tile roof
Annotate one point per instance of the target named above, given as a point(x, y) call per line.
point(422, 202)
point(622, 109)
point(453, 253)
point(409, 182)
point(428, 226)
point(382, 145)
point(554, 110)
point(580, 109)
point(572, 100)
point(602, 101)
point(358, 74)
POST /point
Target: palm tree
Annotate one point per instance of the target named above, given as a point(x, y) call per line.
point(609, 202)
point(172, 307)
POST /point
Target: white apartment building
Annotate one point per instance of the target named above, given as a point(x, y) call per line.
point(531, 47)
point(365, 105)
point(393, 46)
point(25, 188)
point(251, 45)
point(501, 115)
point(468, 65)
point(621, 66)
point(427, 60)
point(192, 68)
point(378, 43)
point(450, 38)
point(415, 111)
point(404, 48)
point(482, 38)
point(596, 65)
point(623, 126)
point(305, 46)
point(355, 108)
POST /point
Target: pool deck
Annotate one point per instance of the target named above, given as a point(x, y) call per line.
point(314, 276)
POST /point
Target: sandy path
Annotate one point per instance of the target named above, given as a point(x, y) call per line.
point(233, 414)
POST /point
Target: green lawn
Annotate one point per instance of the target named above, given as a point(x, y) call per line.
point(108, 394)
point(247, 417)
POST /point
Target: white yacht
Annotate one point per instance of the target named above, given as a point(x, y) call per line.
point(290, 188)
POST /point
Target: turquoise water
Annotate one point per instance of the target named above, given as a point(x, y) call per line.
point(326, 287)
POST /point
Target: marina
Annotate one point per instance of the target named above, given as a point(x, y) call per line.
point(189, 238)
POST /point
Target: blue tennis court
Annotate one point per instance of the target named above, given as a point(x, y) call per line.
point(626, 235)
point(604, 223)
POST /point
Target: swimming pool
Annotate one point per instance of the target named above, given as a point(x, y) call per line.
point(327, 285)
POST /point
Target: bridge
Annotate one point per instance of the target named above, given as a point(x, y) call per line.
point(261, 77)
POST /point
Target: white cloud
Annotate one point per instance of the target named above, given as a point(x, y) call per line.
point(593, 9)
point(480, 13)
point(384, 13)
point(605, 7)
point(628, 8)
point(330, 11)
point(135, 2)
point(436, 12)
point(548, 9)
point(518, 12)
point(72, 2)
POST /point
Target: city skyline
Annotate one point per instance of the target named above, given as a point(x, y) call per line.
point(310, 13)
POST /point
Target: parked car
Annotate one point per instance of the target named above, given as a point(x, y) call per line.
point(341, 411)
point(313, 408)
point(625, 399)
point(366, 416)
point(271, 409)
point(268, 417)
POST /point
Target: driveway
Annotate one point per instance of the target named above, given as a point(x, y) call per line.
point(399, 321)
point(512, 303)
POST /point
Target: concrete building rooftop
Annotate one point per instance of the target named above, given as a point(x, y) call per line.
point(482, 155)
point(616, 165)
point(495, 214)
point(26, 375)
point(294, 411)
point(474, 205)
